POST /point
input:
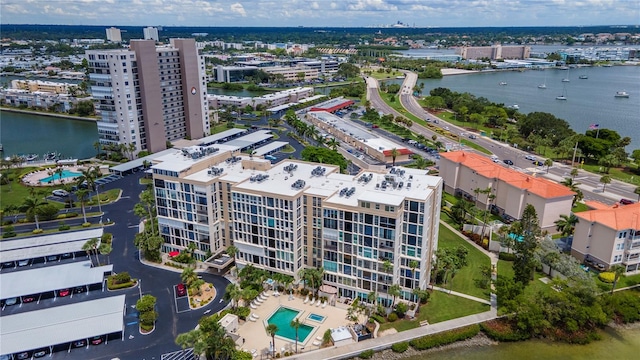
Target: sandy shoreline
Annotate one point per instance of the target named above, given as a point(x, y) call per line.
point(446, 71)
point(42, 113)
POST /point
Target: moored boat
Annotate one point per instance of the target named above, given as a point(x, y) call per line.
point(621, 94)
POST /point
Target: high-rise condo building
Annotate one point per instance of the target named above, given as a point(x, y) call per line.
point(148, 95)
point(368, 231)
point(114, 34)
point(150, 33)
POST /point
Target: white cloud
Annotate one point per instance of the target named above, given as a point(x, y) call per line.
point(238, 9)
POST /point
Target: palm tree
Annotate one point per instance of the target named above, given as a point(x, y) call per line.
point(185, 340)
point(296, 325)
point(59, 171)
point(394, 155)
point(188, 276)
point(105, 249)
point(232, 251)
point(394, 290)
point(420, 162)
point(30, 205)
point(570, 183)
point(574, 173)
point(232, 293)
point(566, 224)
point(96, 145)
point(548, 163)
point(272, 329)
point(461, 209)
point(91, 247)
point(606, 179)
point(413, 264)
point(617, 270)
point(90, 175)
point(81, 195)
point(333, 144)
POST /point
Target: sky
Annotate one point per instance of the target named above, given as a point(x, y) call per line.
point(322, 13)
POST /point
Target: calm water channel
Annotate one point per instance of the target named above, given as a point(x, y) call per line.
point(623, 344)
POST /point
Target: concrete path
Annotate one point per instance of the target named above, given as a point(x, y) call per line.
point(384, 342)
point(450, 292)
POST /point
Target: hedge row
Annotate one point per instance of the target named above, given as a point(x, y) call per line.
point(506, 256)
point(501, 330)
point(129, 284)
point(444, 338)
point(400, 347)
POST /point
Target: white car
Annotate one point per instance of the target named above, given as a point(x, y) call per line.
point(60, 193)
point(530, 157)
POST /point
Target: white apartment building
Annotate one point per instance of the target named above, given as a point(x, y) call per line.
point(294, 214)
point(272, 99)
point(114, 34)
point(291, 73)
point(609, 236)
point(149, 95)
point(151, 33)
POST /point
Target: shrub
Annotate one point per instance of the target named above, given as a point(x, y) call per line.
point(401, 309)
point(37, 231)
point(107, 238)
point(71, 214)
point(112, 286)
point(277, 355)
point(367, 354)
point(501, 330)
point(61, 216)
point(378, 318)
point(242, 312)
point(400, 347)
point(304, 292)
point(507, 256)
point(146, 327)
point(120, 278)
point(392, 317)
point(444, 338)
point(63, 227)
point(86, 224)
point(607, 277)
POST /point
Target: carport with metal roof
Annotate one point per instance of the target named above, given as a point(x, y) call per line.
point(62, 324)
point(51, 278)
point(45, 245)
point(251, 140)
point(270, 148)
point(138, 163)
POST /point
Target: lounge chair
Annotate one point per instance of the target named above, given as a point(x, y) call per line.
point(252, 319)
point(324, 304)
point(318, 303)
point(255, 316)
point(276, 293)
point(258, 300)
point(317, 343)
point(253, 306)
point(306, 300)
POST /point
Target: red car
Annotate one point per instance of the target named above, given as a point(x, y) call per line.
point(96, 340)
point(181, 290)
point(64, 292)
point(28, 299)
point(626, 202)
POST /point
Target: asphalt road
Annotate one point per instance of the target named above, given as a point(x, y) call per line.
point(155, 281)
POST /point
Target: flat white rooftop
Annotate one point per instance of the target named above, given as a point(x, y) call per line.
point(221, 135)
point(61, 324)
point(179, 161)
point(29, 242)
point(276, 145)
point(50, 278)
point(250, 139)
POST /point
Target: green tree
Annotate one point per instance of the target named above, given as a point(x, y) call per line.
point(566, 224)
point(548, 163)
point(525, 248)
point(188, 276)
point(232, 293)
point(324, 155)
point(105, 250)
point(90, 176)
point(394, 291)
point(91, 247)
point(30, 206)
point(272, 329)
point(394, 155)
point(295, 324)
point(618, 270)
point(604, 180)
point(461, 209)
point(82, 195)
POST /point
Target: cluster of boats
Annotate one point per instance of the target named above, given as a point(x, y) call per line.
point(50, 156)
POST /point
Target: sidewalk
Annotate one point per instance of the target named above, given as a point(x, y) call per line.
point(451, 292)
point(380, 343)
point(583, 187)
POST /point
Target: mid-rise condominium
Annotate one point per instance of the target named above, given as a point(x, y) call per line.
point(368, 231)
point(148, 95)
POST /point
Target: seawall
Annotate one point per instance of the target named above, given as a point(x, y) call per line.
point(44, 113)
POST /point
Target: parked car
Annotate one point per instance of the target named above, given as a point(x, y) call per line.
point(40, 353)
point(52, 258)
point(181, 290)
point(96, 340)
point(79, 290)
point(60, 193)
point(507, 161)
point(66, 256)
point(538, 163)
point(626, 202)
point(64, 292)
point(374, 126)
point(22, 263)
point(11, 301)
point(472, 136)
point(8, 264)
point(23, 355)
point(28, 299)
point(79, 343)
point(530, 157)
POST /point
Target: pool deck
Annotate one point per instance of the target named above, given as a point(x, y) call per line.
point(33, 179)
point(255, 336)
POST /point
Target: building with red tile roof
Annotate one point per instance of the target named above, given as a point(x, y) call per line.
point(464, 173)
point(609, 236)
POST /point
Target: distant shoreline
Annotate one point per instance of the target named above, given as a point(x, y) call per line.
point(42, 113)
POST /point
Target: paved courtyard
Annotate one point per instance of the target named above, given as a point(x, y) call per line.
point(256, 337)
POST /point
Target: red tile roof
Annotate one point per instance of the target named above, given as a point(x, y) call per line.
point(617, 218)
point(401, 151)
point(487, 168)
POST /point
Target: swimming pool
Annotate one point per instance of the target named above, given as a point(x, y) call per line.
point(282, 319)
point(316, 317)
point(65, 174)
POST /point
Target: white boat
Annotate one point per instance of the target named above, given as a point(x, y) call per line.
point(31, 157)
point(583, 77)
point(542, 86)
point(514, 106)
point(563, 96)
point(502, 83)
point(621, 94)
point(567, 78)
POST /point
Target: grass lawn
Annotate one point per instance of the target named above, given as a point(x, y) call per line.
point(579, 208)
point(382, 76)
point(505, 268)
point(288, 149)
point(624, 281)
point(441, 307)
point(464, 280)
point(614, 173)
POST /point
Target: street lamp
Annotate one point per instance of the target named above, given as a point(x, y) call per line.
point(140, 287)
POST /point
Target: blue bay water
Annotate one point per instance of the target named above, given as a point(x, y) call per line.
point(589, 101)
